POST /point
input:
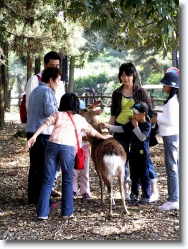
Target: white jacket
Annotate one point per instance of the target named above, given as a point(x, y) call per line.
point(169, 120)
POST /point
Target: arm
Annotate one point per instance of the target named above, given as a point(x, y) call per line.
point(112, 120)
point(113, 128)
point(32, 140)
point(50, 102)
point(141, 136)
point(92, 132)
point(103, 136)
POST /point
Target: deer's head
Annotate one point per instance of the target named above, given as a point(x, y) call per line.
point(91, 114)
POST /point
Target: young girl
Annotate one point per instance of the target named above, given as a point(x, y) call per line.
point(84, 173)
point(169, 130)
point(62, 146)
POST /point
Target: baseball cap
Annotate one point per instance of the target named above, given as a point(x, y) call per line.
point(140, 107)
point(82, 104)
point(170, 79)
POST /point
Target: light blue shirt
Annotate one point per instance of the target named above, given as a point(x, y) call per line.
point(42, 103)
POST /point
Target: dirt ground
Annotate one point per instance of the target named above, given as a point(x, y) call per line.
point(18, 220)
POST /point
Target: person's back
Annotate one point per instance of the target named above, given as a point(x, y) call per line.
point(41, 105)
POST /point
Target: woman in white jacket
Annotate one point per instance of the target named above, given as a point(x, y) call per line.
point(169, 130)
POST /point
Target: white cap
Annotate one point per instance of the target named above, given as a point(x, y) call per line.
point(82, 104)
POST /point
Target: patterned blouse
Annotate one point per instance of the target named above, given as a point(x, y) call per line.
point(64, 131)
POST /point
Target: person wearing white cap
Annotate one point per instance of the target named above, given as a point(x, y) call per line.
point(169, 130)
point(84, 173)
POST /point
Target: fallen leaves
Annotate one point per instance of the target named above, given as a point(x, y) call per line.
point(18, 220)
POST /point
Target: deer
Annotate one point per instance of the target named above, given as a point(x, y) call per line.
point(108, 156)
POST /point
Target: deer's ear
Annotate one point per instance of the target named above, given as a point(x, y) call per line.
point(98, 112)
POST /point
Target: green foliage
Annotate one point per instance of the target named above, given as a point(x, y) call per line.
point(90, 81)
point(154, 79)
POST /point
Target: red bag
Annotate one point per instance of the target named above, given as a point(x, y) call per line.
point(23, 111)
point(79, 159)
point(80, 156)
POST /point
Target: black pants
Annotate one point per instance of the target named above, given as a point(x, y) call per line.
point(36, 170)
point(139, 168)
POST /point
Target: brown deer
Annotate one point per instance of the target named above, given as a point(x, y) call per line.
point(109, 157)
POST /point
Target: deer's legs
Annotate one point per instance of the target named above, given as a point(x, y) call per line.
point(122, 191)
point(101, 186)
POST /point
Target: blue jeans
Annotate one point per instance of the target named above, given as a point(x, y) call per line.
point(171, 154)
point(139, 168)
point(53, 154)
point(152, 173)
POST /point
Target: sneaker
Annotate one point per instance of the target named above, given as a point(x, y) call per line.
point(144, 200)
point(133, 198)
point(67, 217)
point(127, 196)
point(43, 218)
point(74, 195)
point(154, 197)
point(55, 193)
point(169, 205)
point(86, 196)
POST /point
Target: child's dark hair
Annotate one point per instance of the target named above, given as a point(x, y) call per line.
point(50, 72)
point(129, 69)
point(173, 91)
point(52, 55)
point(69, 101)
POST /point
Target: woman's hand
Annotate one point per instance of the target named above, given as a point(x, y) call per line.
point(107, 136)
point(31, 141)
point(104, 125)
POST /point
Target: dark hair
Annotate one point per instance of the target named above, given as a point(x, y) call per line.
point(51, 55)
point(129, 69)
point(50, 72)
point(173, 91)
point(69, 101)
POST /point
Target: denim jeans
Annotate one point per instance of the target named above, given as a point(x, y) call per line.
point(139, 168)
point(152, 173)
point(53, 154)
point(171, 154)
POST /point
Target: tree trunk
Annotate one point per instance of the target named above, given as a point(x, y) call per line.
point(20, 84)
point(139, 80)
point(37, 65)
point(29, 63)
point(71, 74)
point(6, 89)
point(175, 62)
point(2, 99)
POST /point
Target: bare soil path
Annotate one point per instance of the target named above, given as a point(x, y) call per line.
point(18, 220)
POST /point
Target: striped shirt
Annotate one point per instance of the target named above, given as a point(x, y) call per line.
point(64, 131)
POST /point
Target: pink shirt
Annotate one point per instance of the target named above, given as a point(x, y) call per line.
point(64, 131)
